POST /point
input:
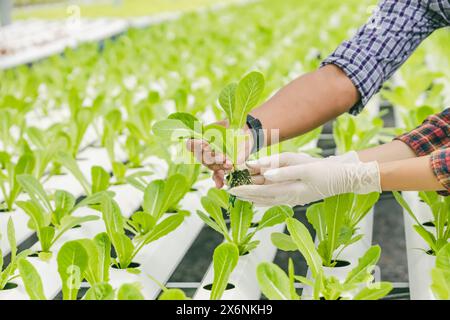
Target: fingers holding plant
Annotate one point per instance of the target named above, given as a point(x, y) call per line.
point(220, 163)
point(311, 181)
point(224, 146)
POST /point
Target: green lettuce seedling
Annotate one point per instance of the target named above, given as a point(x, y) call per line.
point(241, 216)
point(225, 259)
point(162, 195)
point(169, 294)
point(31, 280)
point(146, 225)
point(90, 259)
point(440, 208)
point(99, 176)
point(8, 273)
point(8, 176)
point(440, 275)
point(51, 219)
point(105, 291)
point(275, 284)
point(236, 100)
point(336, 222)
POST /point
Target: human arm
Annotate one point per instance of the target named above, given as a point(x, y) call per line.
point(305, 183)
point(414, 174)
point(417, 160)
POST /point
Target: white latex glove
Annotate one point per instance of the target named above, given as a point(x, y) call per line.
point(305, 183)
point(259, 166)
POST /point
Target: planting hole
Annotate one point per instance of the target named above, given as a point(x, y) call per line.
point(36, 254)
point(229, 286)
point(430, 252)
point(4, 207)
point(9, 286)
point(130, 266)
point(60, 174)
point(77, 226)
point(430, 224)
point(193, 189)
point(254, 224)
point(340, 263)
point(129, 234)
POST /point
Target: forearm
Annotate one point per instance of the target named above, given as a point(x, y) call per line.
point(414, 174)
point(307, 102)
point(392, 151)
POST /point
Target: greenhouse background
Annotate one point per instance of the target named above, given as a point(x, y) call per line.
point(94, 206)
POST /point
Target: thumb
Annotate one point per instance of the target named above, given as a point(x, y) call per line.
point(290, 173)
point(270, 162)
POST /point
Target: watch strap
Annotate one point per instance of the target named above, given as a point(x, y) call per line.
point(257, 131)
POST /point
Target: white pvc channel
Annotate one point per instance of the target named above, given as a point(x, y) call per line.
point(420, 263)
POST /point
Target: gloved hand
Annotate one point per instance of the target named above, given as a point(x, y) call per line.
point(304, 183)
point(259, 166)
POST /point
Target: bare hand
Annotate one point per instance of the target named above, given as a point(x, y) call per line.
point(215, 161)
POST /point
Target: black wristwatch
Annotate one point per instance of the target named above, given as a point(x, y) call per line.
point(257, 131)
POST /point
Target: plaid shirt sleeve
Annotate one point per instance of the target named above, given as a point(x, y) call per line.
point(383, 44)
point(433, 138)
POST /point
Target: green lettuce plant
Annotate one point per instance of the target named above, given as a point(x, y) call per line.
point(336, 222)
point(105, 291)
point(11, 118)
point(8, 273)
point(169, 294)
point(161, 195)
point(89, 259)
point(358, 283)
point(8, 177)
point(173, 294)
point(113, 127)
point(31, 280)
point(45, 153)
point(81, 118)
point(146, 227)
point(300, 143)
point(51, 219)
point(419, 95)
point(440, 208)
point(241, 216)
point(190, 172)
point(100, 178)
point(352, 133)
point(236, 100)
point(225, 259)
point(440, 274)
point(140, 118)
